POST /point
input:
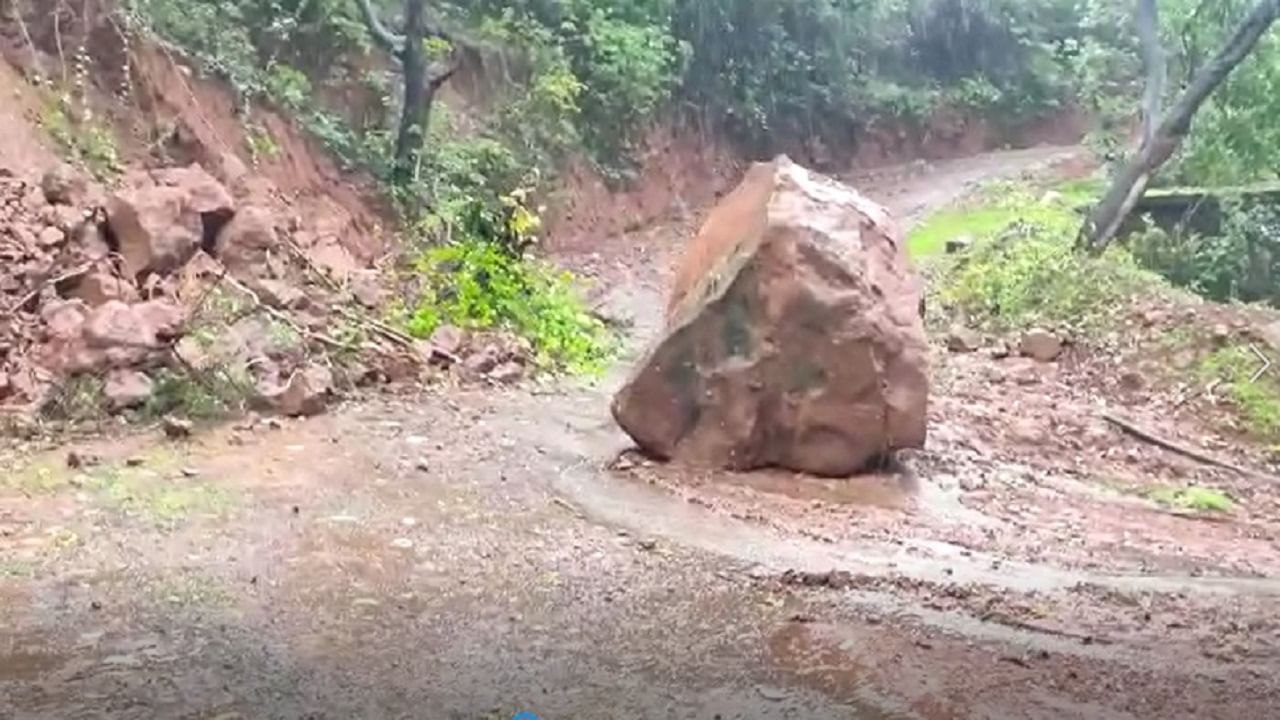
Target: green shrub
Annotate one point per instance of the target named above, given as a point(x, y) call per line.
point(1257, 400)
point(1242, 262)
point(483, 285)
point(1028, 273)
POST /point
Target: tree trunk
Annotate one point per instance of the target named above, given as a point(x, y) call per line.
point(1128, 187)
point(1153, 61)
point(417, 95)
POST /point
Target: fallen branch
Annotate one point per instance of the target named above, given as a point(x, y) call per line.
point(1173, 447)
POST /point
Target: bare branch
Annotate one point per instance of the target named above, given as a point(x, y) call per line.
point(382, 37)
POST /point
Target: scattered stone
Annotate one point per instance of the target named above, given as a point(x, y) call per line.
point(959, 245)
point(177, 428)
point(64, 185)
point(124, 388)
point(963, 340)
point(306, 392)
point(366, 288)
point(449, 338)
point(402, 544)
point(484, 361)
point(1000, 350)
point(507, 372)
point(100, 287)
point(280, 295)
point(794, 298)
point(134, 461)
point(1221, 334)
point(1041, 345)
point(51, 237)
point(647, 544)
point(243, 243)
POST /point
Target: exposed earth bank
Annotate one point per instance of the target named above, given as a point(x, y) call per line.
point(471, 554)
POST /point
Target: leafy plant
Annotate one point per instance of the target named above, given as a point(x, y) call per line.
point(482, 285)
point(1027, 273)
point(1194, 497)
point(1256, 399)
point(85, 141)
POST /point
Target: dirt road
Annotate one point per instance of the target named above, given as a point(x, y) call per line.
point(473, 554)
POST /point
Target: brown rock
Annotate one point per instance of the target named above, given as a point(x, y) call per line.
point(204, 194)
point(177, 428)
point(793, 337)
point(115, 324)
point(483, 361)
point(64, 185)
point(99, 287)
point(449, 339)
point(279, 295)
point(305, 393)
point(507, 372)
point(51, 237)
point(963, 340)
point(367, 289)
point(1041, 345)
point(165, 318)
point(64, 319)
point(242, 245)
point(124, 388)
point(157, 231)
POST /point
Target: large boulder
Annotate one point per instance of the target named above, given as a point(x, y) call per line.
point(155, 228)
point(793, 336)
point(161, 219)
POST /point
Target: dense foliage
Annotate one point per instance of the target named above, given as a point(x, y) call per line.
point(588, 77)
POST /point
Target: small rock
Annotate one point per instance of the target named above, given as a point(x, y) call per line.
point(507, 372)
point(51, 237)
point(190, 473)
point(448, 338)
point(134, 461)
point(366, 288)
point(176, 428)
point(484, 361)
point(1221, 334)
point(99, 288)
point(63, 185)
point(402, 544)
point(647, 544)
point(771, 693)
point(963, 340)
point(1041, 345)
point(280, 295)
point(959, 245)
point(125, 388)
point(77, 460)
point(306, 392)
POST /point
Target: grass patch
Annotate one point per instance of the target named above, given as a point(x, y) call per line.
point(191, 590)
point(998, 206)
point(36, 479)
point(150, 492)
point(1194, 497)
point(1256, 401)
point(1028, 273)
